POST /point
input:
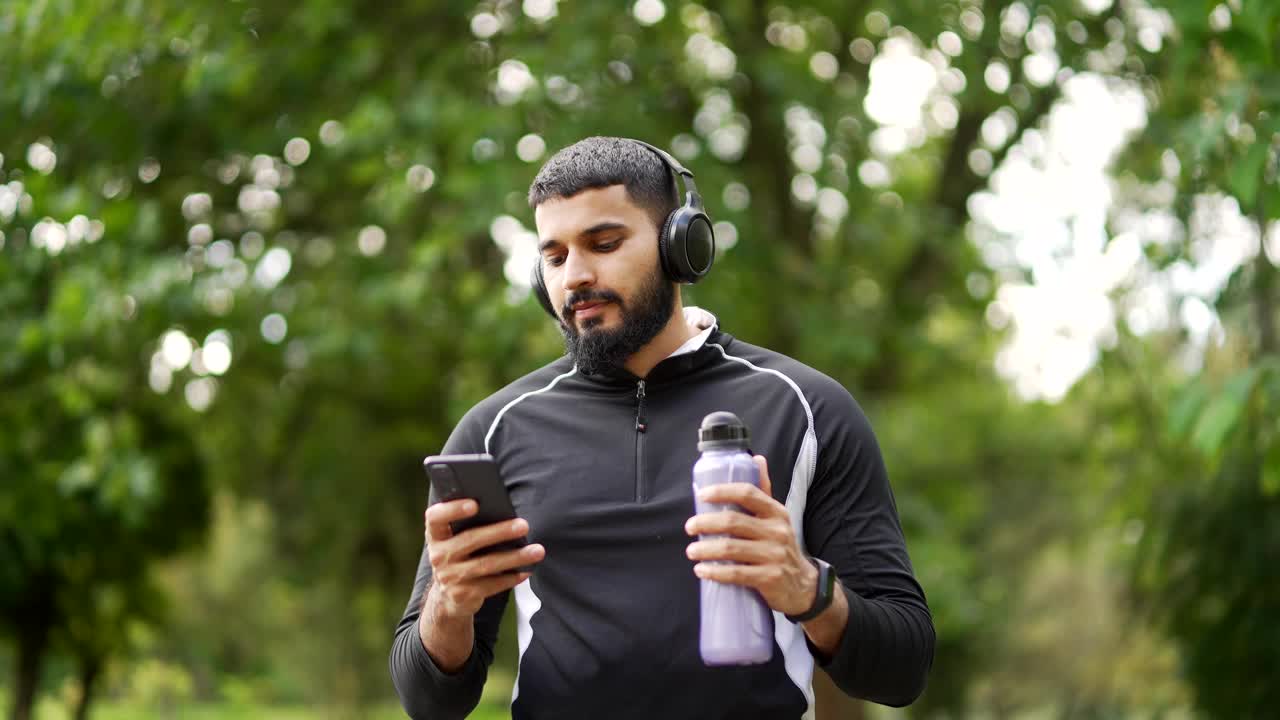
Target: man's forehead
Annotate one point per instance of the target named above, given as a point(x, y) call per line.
point(563, 217)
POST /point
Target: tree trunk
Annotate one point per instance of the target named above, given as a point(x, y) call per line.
point(1264, 303)
point(90, 669)
point(32, 643)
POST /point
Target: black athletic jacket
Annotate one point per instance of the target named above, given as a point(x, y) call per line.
point(608, 623)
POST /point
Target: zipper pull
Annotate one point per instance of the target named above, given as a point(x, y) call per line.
point(641, 426)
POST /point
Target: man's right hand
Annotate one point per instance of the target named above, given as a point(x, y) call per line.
point(461, 580)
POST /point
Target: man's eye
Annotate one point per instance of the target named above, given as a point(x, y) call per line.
point(555, 260)
point(607, 246)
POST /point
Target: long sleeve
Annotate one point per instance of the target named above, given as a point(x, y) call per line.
point(425, 691)
point(851, 521)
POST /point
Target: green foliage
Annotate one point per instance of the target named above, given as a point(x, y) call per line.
point(100, 474)
point(1223, 413)
point(1207, 569)
point(1206, 564)
point(314, 187)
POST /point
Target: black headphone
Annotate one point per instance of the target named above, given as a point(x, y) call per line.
point(686, 243)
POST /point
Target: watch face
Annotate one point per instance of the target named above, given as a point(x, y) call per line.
point(826, 591)
point(826, 581)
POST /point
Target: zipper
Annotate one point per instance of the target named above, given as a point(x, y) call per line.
point(641, 427)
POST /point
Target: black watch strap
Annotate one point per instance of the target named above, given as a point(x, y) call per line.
point(826, 592)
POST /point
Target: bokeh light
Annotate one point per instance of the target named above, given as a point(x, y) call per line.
point(41, 157)
point(726, 234)
point(199, 393)
point(485, 25)
point(252, 244)
point(297, 150)
point(332, 132)
point(513, 80)
point(824, 65)
point(272, 268)
point(149, 170)
point(531, 148)
point(649, 12)
point(540, 11)
point(274, 328)
point(371, 240)
point(420, 177)
point(736, 196)
point(175, 348)
point(217, 356)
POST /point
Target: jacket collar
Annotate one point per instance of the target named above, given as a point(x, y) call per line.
point(699, 318)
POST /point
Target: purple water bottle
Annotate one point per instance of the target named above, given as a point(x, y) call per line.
point(737, 626)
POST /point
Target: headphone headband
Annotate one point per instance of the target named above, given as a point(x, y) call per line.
point(671, 162)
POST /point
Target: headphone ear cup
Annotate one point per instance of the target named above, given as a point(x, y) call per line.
point(539, 288)
point(690, 245)
point(699, 245)
point(665, 251)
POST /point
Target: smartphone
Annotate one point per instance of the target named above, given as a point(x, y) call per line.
point(454, 477)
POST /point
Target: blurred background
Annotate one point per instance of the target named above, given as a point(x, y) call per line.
point(257, 258)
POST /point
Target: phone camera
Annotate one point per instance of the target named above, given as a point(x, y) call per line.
point(443, 477)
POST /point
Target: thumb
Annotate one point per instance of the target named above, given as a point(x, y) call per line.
point(765, 484)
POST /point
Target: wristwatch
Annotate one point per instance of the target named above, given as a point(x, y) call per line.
point(826, 591)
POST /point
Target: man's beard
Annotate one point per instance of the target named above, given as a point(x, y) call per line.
point(595, 350)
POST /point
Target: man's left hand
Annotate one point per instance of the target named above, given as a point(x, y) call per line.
point(763, 544)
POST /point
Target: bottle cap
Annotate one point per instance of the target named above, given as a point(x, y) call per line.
point(722, 430)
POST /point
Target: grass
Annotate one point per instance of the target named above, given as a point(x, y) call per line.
point(494, 705)
point(50, 709)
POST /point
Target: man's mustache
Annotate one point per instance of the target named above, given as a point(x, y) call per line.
point(588, 295)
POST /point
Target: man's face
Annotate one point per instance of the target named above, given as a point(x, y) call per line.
point(599, 255)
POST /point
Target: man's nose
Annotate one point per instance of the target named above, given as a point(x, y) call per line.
point(578, 271)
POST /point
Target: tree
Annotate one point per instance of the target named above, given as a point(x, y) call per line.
point(99, 475)
point(1208, 558)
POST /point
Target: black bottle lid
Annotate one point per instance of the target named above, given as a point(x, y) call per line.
point(722, 431)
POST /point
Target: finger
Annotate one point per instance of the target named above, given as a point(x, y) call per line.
point(461, 547)
point(477, 538)
point(752, 552)
point(766, 485)
point(495, 584)
point(747, 496)
point(760, 577)
point(498, 562)
point(729, 522)
point(439, 516)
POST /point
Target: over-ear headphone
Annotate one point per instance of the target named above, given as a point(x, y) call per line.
point(686, 242)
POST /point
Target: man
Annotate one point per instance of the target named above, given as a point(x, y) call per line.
point(596, 450)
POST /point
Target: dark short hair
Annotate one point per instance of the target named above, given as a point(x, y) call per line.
point(599, 162)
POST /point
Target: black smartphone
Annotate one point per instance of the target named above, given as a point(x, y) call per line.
point(454, 477)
